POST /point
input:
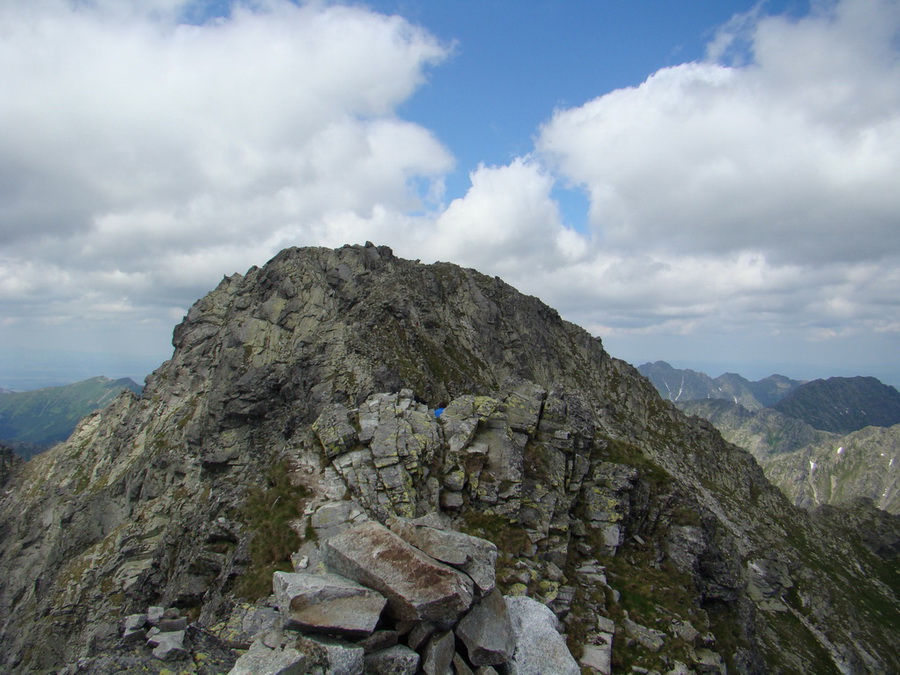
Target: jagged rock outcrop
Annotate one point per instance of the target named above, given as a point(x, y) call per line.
point(302, 398)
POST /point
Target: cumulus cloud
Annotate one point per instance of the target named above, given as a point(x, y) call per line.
point(506, 223)
point(163, 154)
point(758, 189)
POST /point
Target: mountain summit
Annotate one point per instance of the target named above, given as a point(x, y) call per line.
point(333, 387)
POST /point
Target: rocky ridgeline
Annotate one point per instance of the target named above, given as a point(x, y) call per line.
point(301, 400)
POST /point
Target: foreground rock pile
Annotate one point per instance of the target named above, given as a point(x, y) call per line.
point(415, 597)
point(162, 629)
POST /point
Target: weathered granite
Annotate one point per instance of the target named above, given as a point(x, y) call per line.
point(341, 658)
point(650, 638)
point(475, 556)
point(327, 603)
point(439, 653)
point(168, 645)
point(598, 654)
point(540, 648)
point(416, 586)
point(487, 632)
point(261, 660)
point(396, 660)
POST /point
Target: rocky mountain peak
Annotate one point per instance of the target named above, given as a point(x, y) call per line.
point(334, 387)
point(321, 325)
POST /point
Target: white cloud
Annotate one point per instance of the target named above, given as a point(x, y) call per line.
point(171, 153)
point(706, 158)
point(758, 193)
point(507, 223)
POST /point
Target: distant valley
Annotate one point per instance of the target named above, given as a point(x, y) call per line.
point(33, 421)
point(822, 442)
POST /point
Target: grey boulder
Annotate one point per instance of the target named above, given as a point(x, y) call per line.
point(260, 660)
point(487, 631)
point(416, 586)
point(327, 603)
point(396, 660)
point(540, 648)
point(475, 556)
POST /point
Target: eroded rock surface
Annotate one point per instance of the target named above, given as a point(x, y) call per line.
point(327, 603)
point(418, 588)
point(539, 646)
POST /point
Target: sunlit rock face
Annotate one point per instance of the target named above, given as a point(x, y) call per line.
point(331, 388)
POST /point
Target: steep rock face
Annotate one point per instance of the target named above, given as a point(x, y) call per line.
point(301, 396)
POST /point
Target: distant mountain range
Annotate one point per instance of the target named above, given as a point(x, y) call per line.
point(839, 469)
point(680, 385)
point(32, 421)
point(843, 404)
point(821, 442)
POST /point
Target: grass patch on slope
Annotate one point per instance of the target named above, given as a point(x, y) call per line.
point(268, 512)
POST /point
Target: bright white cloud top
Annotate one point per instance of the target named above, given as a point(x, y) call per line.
point(743, 208)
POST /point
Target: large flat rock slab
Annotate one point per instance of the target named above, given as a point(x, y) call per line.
point(418, 588)
point(475, 556)
point(327, 603)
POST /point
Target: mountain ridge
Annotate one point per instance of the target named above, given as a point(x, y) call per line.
point(843, 404)
point(812, 467)
point(31, 421)
point(321, 371)
point(679, 385)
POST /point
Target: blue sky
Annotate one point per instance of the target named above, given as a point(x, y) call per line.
point(513, 63)
point(709, 183)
